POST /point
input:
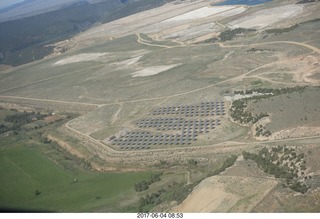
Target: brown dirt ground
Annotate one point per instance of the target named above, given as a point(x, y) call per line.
point(238, 189)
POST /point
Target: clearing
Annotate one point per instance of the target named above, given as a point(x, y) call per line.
point(153, 70)
point(267, 17)
point(80, 58)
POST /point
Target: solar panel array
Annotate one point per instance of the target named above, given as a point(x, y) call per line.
point(204, 109)
point(171, 129)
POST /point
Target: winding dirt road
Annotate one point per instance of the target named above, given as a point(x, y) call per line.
point(222, 45)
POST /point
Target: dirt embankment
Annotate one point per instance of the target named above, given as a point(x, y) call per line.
point(238, 189)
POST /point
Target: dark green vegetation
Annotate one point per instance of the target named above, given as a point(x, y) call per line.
point(307, 1)
point(41, 176)
point(284, 163)
point(282, 30)
point(261, 130)
point(227, 163)
point(238, 113)
point(149, 201)
point(19, 119)
point(25, 40)
point(144, 184)
point(172, 192)
point(230, 34)
point(274, 92)
point(253, 50)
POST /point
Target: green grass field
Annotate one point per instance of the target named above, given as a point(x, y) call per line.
point(25, 169)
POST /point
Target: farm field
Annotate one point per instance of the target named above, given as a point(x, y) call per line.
point(191, 90)
point(27, 171)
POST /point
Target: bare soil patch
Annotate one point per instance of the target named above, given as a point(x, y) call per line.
point(238, 189)
point(200, 13)
point(267, 17)
point(153, 70)
point(80, 58)
point(296, 132)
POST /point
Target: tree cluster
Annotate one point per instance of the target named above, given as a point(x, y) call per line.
point(4, 128)
point(226, 164)
point(253, 50)
point(272, 91)
point(20, 119)
point(231, 33)
point(144, 185)
point(228, 35)
point(145, 203)
point(260, 130)
point(307, 1)
point(283, 163)
point(281, 30)
point(238, 113)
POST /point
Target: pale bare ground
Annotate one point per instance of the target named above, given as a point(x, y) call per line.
point(80, 58)
point(152, 22)
point(214, 195)
point(301, 67)
point(132, 24)
point(152, 44)
point(185, 32)
point(129, 62)
point(267, 17)
point(153, 70)
point(189, 27)
point(204, 37)
point(200, 13)
point(301, 131)
point(208, 196)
